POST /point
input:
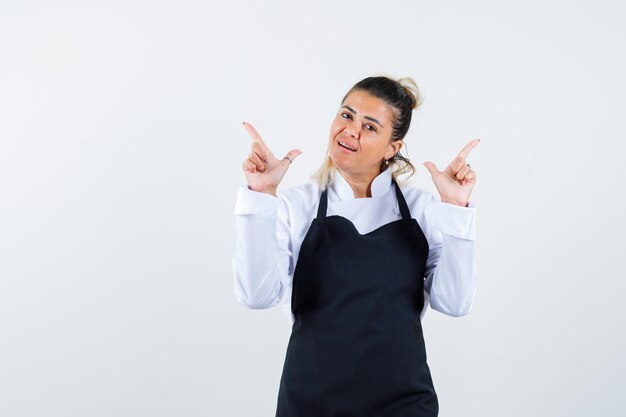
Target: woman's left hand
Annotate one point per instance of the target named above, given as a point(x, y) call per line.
point(456, 182)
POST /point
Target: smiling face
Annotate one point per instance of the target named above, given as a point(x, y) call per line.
point(360, 135)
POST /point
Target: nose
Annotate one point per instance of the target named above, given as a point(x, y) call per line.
point(352, 129)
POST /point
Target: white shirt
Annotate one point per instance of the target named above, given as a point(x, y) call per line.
point(269, 231)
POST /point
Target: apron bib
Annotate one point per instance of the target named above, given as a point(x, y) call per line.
point(356, 347)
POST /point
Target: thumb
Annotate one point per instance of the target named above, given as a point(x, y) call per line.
point(432, 168)
point(293, 153)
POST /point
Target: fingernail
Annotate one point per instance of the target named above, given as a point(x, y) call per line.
point(243, 123)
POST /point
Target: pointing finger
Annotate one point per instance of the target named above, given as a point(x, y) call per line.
point(255, 136)
point(467, 148)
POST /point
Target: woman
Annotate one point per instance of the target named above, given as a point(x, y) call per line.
point(356, 259)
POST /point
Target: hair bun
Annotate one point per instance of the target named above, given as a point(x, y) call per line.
point(412, 90)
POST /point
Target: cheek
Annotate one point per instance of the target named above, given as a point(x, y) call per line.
point(378, 147)
point(335, 128)
point(334, 131)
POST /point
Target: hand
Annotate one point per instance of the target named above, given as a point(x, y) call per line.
point(262, 169)
point(456, 182)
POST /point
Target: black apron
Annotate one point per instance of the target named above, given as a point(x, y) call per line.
point(356, 347)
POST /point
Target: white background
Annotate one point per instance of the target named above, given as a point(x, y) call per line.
point(120, 156)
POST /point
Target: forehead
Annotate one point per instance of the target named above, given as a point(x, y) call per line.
point(366, 104)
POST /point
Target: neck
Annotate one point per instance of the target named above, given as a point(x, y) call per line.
point(361, 184)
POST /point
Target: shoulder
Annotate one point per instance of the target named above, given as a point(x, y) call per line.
point(301, 197)
point(415, 197)
point(419, 201)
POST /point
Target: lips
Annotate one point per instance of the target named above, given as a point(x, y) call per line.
point(346, 146)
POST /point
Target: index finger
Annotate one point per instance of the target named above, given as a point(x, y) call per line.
point(467, 148)
point(255, 135)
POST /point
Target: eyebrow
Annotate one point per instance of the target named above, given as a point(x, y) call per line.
point(365, 117)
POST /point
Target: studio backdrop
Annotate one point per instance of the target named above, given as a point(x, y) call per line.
point(121, 149)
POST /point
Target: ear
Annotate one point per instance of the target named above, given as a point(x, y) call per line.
point(394, 148)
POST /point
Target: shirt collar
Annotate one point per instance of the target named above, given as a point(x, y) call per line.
point(340, 189)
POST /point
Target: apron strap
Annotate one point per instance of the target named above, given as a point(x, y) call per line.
point(321, 208)
point(404, 209)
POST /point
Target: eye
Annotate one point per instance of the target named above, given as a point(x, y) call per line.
point(371, 128)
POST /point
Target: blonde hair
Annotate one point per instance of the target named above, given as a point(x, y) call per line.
point(403, 96)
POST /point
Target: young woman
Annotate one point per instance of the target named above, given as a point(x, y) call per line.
point(356, 259)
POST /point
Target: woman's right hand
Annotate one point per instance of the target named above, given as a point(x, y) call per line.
point(262, 169)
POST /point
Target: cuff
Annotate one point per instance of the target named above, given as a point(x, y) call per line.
point(255, 202)
point(451, 219)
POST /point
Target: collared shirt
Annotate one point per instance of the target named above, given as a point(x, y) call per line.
point(269, 231)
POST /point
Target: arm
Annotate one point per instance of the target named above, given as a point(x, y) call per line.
point(449, 277)
point(450, 267)
point(262, 252)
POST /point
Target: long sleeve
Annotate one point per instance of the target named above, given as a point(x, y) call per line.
point(450, 268)
point(261, 257)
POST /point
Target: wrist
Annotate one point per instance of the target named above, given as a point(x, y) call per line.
point(455, 203)
point(271, 190)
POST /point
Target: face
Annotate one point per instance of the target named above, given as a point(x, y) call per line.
point(362, 124)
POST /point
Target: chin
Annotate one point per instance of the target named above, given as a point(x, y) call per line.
point(334, 160)
point(336, 156)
